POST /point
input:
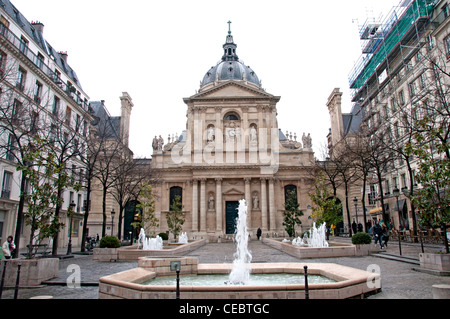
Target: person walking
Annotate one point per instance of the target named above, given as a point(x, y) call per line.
point(385, 234)
point(378, 233)
point(8, 247)
point(258, 233)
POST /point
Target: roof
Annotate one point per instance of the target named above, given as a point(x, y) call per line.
point(38, 38)
point(108, 126)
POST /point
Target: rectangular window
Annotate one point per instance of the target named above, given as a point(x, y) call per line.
point(401, 97)
point(447, 46)
point(2, 64)
point(56, 103)
point(21, 77)
point(37, 92)
point(6, 185)
point(68, 115)
point(23, 46)
point(10, 148)
point(412, 89)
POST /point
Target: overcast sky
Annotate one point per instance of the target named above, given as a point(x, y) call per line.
point(159, 51)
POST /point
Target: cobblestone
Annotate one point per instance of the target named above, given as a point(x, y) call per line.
point(399, 280)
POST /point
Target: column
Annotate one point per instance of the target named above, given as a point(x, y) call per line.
point(195, 205)
point(272, 204)
point(248, 200)
point(263, 204)
point(203, 205)
point(218, 204)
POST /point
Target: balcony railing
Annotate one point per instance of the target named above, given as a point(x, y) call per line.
point(37, 60)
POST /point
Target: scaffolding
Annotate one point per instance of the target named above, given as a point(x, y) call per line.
point(381, 38)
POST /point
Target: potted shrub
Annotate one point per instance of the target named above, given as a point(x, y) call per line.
point(107, 250)
point(363, 243)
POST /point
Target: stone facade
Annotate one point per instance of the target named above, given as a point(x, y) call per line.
point(232, 149)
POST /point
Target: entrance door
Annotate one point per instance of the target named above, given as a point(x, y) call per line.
point(231, 211)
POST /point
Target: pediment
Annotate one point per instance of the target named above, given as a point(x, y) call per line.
point(232, 89)
point(233, 191)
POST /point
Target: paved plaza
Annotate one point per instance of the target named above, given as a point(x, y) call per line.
point(399, 280)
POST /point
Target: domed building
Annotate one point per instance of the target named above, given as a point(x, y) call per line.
point(232, 149)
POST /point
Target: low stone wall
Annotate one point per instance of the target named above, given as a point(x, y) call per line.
point(334, 250)
point(132, 253)
point(440, 263)
point(350, 282)
point(32, 271)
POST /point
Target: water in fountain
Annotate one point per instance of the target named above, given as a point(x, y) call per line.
point(240, 274)
point(317, 237)
point(183, 239)
point(149, 243)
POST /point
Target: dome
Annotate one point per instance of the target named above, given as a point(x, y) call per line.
point(230, 70)
point(230, 67)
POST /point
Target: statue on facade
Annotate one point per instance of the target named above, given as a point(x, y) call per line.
point(211, 202)
point(255, 201)
point(210, 137)
point(155, 144)
point(307, 143)
point(253, 134)
point(160, 143)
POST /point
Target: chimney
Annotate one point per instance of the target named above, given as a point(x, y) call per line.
point(38, 26)
point(63, 55)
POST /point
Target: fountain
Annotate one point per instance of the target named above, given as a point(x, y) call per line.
point(149, 243)
point(240, 273)
point(155, 277)
point(316, 238)
point(183, 239)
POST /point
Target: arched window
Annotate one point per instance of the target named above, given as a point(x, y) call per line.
point(231, 117)
point(290, 190)
point(175, 191)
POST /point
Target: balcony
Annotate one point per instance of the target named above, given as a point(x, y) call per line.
point(6, 34)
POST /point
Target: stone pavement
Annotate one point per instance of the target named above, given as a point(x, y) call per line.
point(399, 280)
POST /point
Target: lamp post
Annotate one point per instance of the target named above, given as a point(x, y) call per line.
point(355, 201)
point(112, 219)
point(396, 193)
point(72, 206)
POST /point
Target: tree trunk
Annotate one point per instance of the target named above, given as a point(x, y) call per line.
point(20, 216)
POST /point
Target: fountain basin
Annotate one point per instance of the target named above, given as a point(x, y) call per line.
point(335, 249)
point(128, 253)
point(130, 284)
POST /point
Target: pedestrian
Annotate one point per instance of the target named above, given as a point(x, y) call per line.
point(360, 227)
point(385, 234)
point(258, 233)
point(378, 234)
point(8, 247)
point(354, 227)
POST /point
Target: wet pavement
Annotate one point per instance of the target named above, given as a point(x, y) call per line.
point(399, 280)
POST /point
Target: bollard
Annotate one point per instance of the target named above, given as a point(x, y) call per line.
point(16, 289)
point(3, 279)
point(178, 284)
point(306, 282)
point(176, 265)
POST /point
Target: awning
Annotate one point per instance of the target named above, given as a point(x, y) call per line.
point(379, 210)
point(376, 211)
point(401, 204)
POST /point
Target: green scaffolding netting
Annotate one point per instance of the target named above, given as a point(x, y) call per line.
point(418, 9)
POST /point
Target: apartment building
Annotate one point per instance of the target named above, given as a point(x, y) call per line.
point(41, 95)
point(401, 75)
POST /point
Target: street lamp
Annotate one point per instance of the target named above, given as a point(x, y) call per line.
point(112, 218)
point(72, 206)
point(396, 193)
point(355, 201)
